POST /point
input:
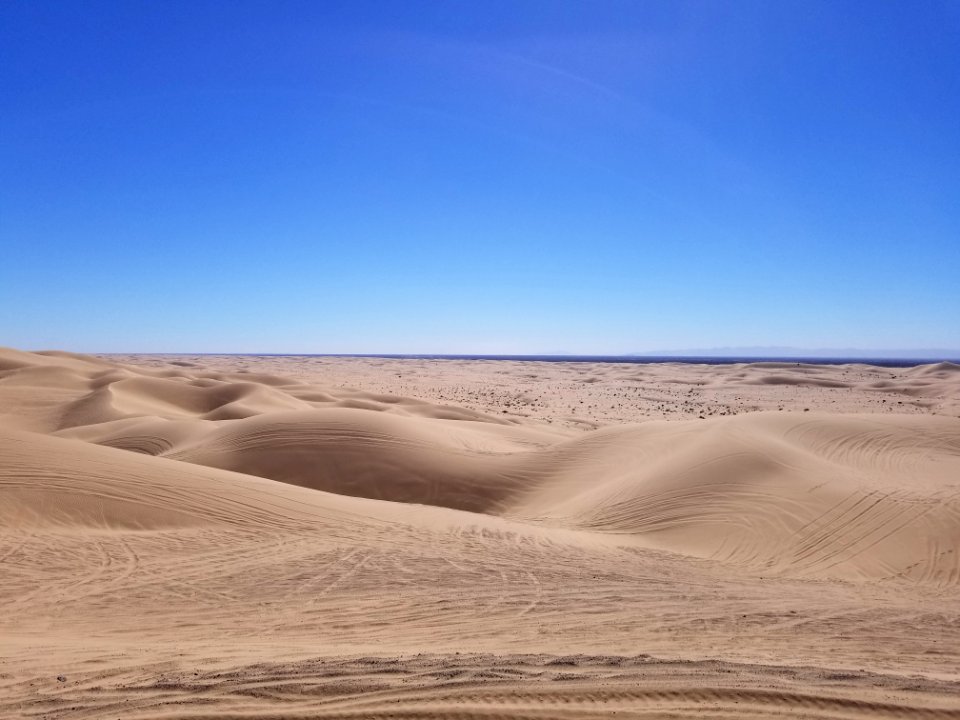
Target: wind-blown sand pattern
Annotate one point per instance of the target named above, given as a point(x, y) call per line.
point(237, 537)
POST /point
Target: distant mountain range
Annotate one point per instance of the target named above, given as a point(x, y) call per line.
point(795, 352)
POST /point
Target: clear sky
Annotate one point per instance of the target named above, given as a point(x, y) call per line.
point(500, 177)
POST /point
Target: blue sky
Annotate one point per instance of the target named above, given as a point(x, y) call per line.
point(498, 177)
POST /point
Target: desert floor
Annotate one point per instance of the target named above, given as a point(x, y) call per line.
point(299, 537)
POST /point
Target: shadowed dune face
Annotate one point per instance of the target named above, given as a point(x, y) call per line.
point(367, 454)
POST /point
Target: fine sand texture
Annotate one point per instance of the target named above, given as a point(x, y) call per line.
point(302, 537)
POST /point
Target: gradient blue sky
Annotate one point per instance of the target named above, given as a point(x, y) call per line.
point(520, 176)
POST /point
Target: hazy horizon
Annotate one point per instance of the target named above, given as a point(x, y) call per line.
point(759, 352)
point(495, 179)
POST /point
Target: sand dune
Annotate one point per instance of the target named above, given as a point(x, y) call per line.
point(177, 533)
point(589, 395)
point(798, 493)
point(809, 495)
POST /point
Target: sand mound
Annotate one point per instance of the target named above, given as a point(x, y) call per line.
point(367, 454)
point(11, 359)
point(118, 397)
point(852, 497)
point(795, 380)
point(51, 482)
point(60, 391)
point(356, 452)
point(943, 370)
